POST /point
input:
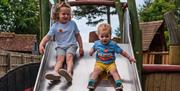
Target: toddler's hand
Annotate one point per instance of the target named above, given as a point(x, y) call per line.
point(91, 53)
point(131, 59)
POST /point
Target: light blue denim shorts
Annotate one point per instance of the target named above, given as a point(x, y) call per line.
point(63, 51)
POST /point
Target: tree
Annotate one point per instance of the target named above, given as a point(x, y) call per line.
point(154, 9)
point(19, 16)
point(5, 16)
point(177, 13)
point(93, 13)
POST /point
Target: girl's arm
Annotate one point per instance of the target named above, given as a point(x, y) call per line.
point(79, 40)
point(43, 43)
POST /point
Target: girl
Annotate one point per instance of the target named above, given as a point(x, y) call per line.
point(67, 36)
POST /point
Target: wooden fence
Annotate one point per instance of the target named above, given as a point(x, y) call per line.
point(156, 58)
point(159, 77)
point(11, 60)
point(161, 82)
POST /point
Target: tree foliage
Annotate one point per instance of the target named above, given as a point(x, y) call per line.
point(19, 16)
point(155, 9)
point(94, 14)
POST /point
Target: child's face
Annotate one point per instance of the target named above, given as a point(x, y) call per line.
point(65, 14)
point(104, 37)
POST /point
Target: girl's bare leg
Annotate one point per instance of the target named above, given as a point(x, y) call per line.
point(59, 63)
point(69, 62)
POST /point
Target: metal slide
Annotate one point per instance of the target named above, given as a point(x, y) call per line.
point(82, 70)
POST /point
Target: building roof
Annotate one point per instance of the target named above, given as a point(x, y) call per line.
point(17, 42)
point(149, 29)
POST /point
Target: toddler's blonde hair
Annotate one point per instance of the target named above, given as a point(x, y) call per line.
point(104, 28)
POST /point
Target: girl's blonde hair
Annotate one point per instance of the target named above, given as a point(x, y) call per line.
point(104, 28)
point(58, 6)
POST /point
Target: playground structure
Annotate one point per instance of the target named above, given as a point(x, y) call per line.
point(81, 70)
point(154, 77)
point(132, 13)
point(147, 84)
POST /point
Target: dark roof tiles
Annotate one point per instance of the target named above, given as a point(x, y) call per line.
point(149, 29)
point(17, 42)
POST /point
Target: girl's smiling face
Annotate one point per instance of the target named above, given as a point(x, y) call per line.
point(64, 14)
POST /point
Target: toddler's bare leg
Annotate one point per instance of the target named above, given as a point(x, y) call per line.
point(59, 62)
point(96, 72)
point(115, 74)
point(69, 62)
point(117, 78)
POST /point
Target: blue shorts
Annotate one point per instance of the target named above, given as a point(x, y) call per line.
point(68, 50)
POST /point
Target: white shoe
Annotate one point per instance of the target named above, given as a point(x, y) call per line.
point(50, 76)
point(63, 72)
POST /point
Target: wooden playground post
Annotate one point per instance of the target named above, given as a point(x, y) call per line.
point(174, 35)
point(44, 17)
point(120, 17)
point(177, 4)
point(136, 42)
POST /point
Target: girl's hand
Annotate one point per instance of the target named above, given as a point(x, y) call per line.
point(81, 52)
point(41, 49)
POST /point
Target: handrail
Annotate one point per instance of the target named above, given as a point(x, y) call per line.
point(95, 2)
point(45, 56)
point(150, 68)
point(43, 62)
point(91, 2)
point(135, 72)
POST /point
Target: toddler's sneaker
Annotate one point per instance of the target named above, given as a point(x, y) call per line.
point(91, 84)
point(52, 77)
point(63, 72)
point(119, 86)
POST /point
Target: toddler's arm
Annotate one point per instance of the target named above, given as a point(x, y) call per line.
point(130, 58)
point(91, 51)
